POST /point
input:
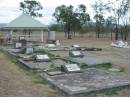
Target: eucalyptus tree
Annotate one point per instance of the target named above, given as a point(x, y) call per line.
point(120, 9)
point(110, 23)
point(100, 8)
point(73, 20)
point(31, 7)
point(83, 17)
point(63, 14)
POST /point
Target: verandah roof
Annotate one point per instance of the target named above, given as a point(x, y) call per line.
point(25, 22)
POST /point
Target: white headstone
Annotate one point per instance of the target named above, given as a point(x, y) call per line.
point(75, 45)
point(21, 38)
point(42, 58)
point(72, 67)
point(57, 43)
point(18, 45)
point(76, 53)
point(50, 45)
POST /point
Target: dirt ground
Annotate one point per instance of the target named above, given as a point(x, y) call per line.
point(119, 57)
point(15, 83)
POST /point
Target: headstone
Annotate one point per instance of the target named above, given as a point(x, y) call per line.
point(18, 45)
point(71, 68)
point(75, 46)
point(21, 38)
point(51, 35)
point(57, 42)
point(29, 50)
point(50, 45)
point(42, 58)
point(75, 54)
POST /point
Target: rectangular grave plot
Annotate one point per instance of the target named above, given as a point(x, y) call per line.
point(43, 58)
point(91, 80)
point(36, 65)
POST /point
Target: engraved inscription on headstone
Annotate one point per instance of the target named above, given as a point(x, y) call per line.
point(71, 67)
point(42, 58)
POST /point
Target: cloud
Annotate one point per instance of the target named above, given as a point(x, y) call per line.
point(10, 8)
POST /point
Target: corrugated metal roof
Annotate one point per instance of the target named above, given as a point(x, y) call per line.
point(25, 21)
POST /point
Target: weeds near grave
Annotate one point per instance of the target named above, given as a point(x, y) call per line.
point(83, 66)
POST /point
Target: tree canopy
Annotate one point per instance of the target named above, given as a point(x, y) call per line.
point(31, 7)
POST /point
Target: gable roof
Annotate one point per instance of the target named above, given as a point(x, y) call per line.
point(25, 22)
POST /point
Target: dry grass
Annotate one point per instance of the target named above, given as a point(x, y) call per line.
point(15, 83)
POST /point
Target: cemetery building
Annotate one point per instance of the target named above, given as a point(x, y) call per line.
point(25, 26)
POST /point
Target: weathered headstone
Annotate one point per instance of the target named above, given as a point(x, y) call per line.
point(42, 58)
point(57, 42)
point(75, 54)
point(50, 45)
point(75, 46)
point(71, 68)
point(51, 35)
point(21, 38)
point(29, 50)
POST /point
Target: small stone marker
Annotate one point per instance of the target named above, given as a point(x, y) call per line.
point(42, 58)
point(75, 46)
point(29, 50)
point(75, 54)
point(21, 38)
point(18, 45)
point(57, 42)
point(50, 45)
point(71, 68)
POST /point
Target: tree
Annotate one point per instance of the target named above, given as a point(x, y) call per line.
point(100, 8)
point(73, 20)
point(110, 23)
point(120, 9)
point(67, 17)
point(31, 7)
point(83, 17)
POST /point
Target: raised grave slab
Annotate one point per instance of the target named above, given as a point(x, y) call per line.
point(35, 65)
point(86, 82)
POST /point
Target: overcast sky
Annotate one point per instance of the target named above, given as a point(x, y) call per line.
point(9, 9)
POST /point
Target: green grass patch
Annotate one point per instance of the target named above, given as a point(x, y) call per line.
point(106, 66)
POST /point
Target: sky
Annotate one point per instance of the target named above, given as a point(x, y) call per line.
point(9, 9)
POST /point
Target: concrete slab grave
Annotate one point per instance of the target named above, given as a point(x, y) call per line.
point(88, 81)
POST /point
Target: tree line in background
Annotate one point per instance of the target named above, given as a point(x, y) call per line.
point(110, 17)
